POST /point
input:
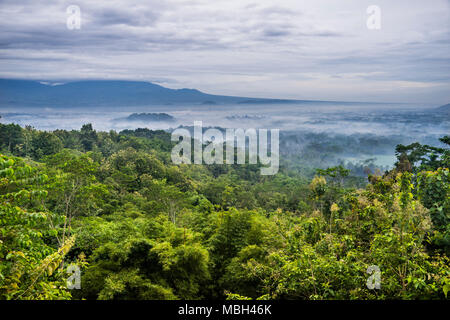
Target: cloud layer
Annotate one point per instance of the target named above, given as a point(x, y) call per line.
point(285, 49)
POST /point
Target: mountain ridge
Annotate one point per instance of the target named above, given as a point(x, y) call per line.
point(91, 93)
point(445, 108)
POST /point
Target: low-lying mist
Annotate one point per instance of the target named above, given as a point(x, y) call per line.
point(330, 133)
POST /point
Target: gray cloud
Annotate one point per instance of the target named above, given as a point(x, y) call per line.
point(295, 49)
point(135, 17)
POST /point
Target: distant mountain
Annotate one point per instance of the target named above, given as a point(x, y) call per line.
point(150, 117)
point(444, 108)
point(111, 93)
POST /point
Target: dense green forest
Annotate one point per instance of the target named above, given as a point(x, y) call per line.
point(140, 227)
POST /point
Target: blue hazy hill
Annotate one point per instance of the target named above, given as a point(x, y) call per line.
point(444, 108)
point(100, 93)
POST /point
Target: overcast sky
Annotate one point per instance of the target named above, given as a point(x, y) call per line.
point(282, 49)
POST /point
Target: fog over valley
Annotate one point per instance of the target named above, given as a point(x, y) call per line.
point(374, 129)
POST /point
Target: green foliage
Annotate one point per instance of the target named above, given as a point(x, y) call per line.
point(433, 189)
point(29, 268)
point(146, 229)
point(424, 157)
point(170, 262)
